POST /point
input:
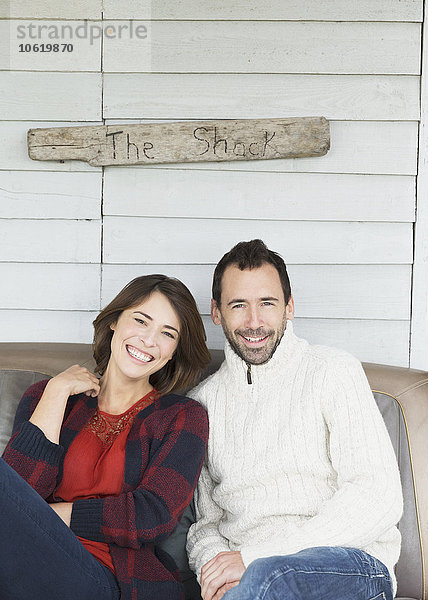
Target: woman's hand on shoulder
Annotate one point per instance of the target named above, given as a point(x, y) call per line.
point(49, 412)
point(75, 380)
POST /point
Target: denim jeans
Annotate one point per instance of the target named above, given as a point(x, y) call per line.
point(327, 573)
point(40, 557)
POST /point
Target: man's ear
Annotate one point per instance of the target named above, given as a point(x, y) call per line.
point(215, 313)
point(289, 309)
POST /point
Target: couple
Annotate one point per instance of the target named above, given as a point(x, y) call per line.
point(299, 492)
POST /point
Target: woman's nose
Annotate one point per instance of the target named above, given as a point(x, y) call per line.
point(148, 337)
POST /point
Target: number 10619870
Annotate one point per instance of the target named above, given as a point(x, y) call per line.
point(45, 47)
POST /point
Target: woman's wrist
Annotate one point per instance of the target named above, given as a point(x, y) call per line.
point(49, 412)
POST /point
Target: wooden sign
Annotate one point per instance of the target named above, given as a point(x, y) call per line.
point(151, 143)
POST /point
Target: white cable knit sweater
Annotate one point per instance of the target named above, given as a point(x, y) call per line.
point(300, 458)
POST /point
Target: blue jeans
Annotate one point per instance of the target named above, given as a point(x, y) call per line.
point(328, 573)
point(40, 557)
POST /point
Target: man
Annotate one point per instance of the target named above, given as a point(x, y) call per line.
point(300, 492)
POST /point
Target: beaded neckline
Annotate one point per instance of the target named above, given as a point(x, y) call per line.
point(107, 427)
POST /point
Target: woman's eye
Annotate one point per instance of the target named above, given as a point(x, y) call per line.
point(140, 321)
point(168, 334)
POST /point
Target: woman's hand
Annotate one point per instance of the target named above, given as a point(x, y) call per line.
point(75, 380)
point(63, 510)
point(49, 412)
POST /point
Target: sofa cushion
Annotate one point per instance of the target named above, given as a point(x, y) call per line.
point(409, 569)
point(13, 384)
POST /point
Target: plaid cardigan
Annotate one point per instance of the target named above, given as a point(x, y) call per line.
point(164, 453)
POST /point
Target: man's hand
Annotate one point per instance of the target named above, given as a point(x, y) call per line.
point(225, 588)
point(220, 574)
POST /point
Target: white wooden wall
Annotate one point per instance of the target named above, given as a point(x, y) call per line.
point(72, 235)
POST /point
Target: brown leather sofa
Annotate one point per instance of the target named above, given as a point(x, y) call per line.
point(401, 394)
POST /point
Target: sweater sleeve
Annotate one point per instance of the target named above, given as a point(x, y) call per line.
point(204, 540)
point(29, 452)
point(150, 511)
point(368, 500)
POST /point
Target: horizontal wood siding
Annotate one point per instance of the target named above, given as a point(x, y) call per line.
point(187, 193)
point(53, 240)
point(52, 9)
point(50, 286)
point(85, 38)
point(251, 96)
point(388, 339)
point(272, 10)
point(47, 195)
point(75, 234)
point(47, 326)
point(141, 240)
point(319, 290)
point(54, 96)
point(268, 47)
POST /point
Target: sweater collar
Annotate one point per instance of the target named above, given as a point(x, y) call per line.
point(282, 355)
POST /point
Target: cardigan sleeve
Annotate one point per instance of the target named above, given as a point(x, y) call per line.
point(150, 511)
point(368, 501)
point(29, 452)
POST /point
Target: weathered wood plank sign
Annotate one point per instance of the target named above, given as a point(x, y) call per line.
point(151, 143)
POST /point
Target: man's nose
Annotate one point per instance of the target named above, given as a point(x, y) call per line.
point(253, 320)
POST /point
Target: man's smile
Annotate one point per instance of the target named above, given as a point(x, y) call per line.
point(254, 340)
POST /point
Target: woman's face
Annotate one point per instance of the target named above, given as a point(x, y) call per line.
point(145, 337)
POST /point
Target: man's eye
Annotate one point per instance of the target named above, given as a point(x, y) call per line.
point(237, 306)
point(267, 303)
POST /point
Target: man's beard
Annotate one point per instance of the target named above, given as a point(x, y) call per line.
point(255, 356)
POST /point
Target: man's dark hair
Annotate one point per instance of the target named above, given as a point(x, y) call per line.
point(250, 255)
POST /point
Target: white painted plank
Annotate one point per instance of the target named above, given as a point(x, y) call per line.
point(46, 326)
point(268, 46)
point(258, 195)
point(51, 9)
point(248, 96)
point(199, 241)
point(384, 342)
point(52, 286)
point(419, 337)
point(54, 96)
point(320, 291)
point(14, 152)
point(288, 10)
point(371, 147)
point(50, 195)
point(24, 240)
point(83, 36)
point(388, 339)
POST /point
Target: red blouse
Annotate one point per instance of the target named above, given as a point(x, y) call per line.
point(95, 462)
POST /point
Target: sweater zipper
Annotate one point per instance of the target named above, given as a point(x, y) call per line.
point(249, 380)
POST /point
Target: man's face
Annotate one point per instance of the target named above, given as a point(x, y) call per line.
point(253, 312)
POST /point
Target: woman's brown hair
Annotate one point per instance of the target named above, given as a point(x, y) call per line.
point(191, 355)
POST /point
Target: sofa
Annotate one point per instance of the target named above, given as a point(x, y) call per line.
point(401, 394)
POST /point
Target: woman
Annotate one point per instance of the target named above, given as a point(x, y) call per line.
point(116, 458)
